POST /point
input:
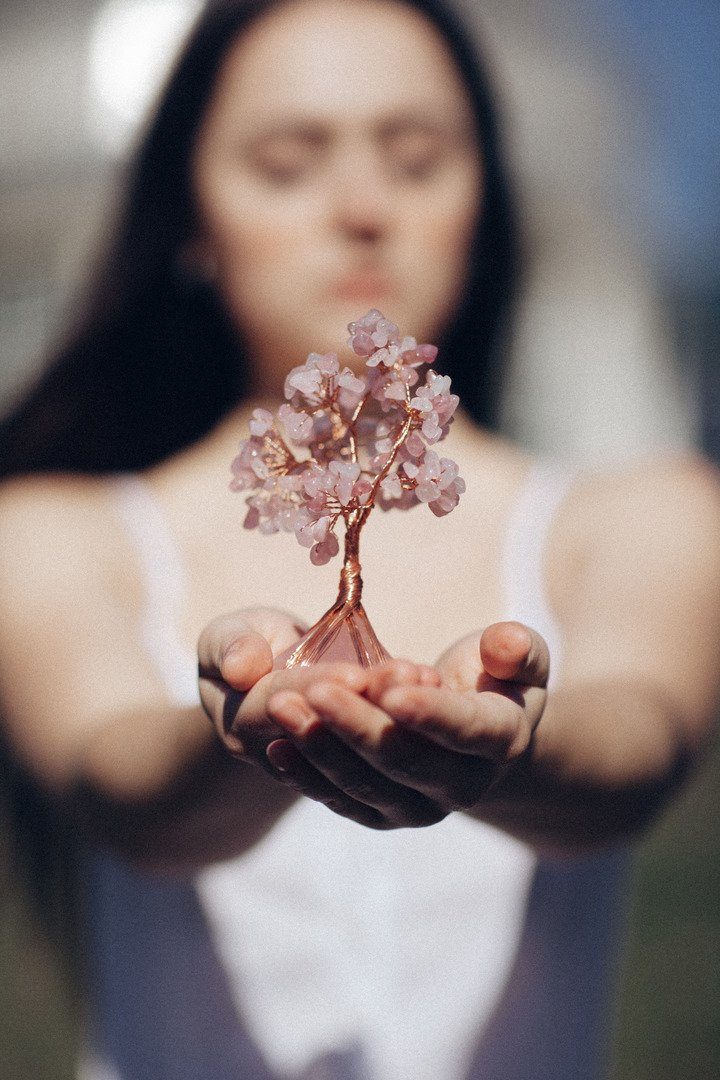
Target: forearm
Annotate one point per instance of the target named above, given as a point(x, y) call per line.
point(159, 788)
point(604, 759)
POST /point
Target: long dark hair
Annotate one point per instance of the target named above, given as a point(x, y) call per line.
point(153, 362)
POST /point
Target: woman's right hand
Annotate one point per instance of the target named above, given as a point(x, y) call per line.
point(235, 653)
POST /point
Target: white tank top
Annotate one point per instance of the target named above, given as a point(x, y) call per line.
point(333, 952)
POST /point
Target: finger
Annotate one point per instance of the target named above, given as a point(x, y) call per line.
point(232, 658)
point(247, 659)
point(347, 770)
point(350, 712)
point(249, 719)
point(459, 666)
point(430, 676)
point(448, 779)
point(297, 773)
point(231, 651)
point(489, 725)
point(281, 629)
point(398, 673)
point(299, 678)
point(513, 652)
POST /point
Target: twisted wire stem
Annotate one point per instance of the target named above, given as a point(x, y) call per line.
point(347, 610)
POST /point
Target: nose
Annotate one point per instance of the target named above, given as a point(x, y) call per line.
point(361, 201)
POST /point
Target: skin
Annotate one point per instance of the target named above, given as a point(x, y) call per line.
point(339, 185)
point(632, 567)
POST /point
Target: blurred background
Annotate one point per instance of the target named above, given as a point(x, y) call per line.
point(611, 114)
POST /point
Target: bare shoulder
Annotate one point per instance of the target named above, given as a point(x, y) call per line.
point(65, 496)
point(665, 502)
point(654, 520)
point(67, 588)
point(56, 531)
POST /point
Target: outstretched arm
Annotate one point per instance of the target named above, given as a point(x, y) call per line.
point(637, 697)
point(84, 712)
point(604, 757)
point(631, 712)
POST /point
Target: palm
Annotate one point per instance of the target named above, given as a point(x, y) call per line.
point(496, 662)
point(391, 746)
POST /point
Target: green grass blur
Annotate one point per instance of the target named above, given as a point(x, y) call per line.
point(37, 1016)
point(668, 1021)
point(36, 1021)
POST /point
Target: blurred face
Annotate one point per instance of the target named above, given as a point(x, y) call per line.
point(336, 170)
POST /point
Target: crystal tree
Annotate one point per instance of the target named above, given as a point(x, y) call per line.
point(339, 446)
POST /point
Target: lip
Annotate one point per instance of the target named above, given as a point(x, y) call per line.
point(362, 285)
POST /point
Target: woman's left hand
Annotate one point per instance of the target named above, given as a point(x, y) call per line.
point(415, 752)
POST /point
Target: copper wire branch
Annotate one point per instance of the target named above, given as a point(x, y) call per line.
point(348, 610)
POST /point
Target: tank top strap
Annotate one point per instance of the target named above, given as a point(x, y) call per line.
point(164, 586)
point(541, 493)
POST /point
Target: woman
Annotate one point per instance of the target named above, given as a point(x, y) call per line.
point(310, 160)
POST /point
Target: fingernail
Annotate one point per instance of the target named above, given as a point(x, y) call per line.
point(232, 651)
point(295, 714)
point(282, 755)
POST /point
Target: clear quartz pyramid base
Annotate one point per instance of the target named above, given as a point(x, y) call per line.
point(343, 634)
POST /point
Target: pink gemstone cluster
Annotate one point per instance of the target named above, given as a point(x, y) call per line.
point(348, 455)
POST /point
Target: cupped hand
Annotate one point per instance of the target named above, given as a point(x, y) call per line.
point(237, 682)
point(235, 651)
point(409, 747)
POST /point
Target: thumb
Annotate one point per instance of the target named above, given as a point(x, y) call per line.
point(229, 650)
point(514, 653)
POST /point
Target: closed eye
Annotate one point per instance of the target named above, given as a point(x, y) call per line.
point(417, 150)
point(287, 157)
point(414, 155)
